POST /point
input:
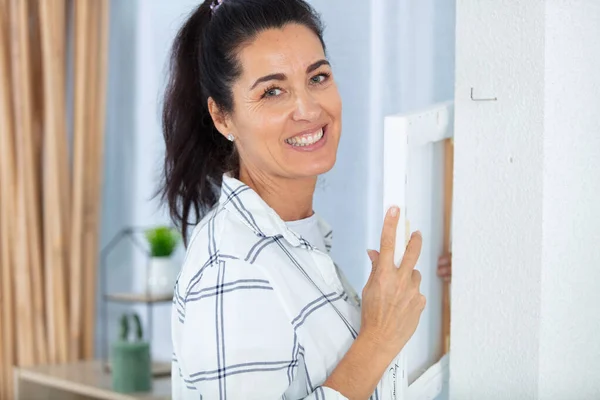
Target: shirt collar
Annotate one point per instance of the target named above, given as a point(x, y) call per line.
point(242, 201)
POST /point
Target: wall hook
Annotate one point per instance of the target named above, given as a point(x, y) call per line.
point(474, 99)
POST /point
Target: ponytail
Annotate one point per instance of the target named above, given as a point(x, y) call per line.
point(195, 151)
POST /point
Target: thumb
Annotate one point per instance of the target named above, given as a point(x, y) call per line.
point(374, 257)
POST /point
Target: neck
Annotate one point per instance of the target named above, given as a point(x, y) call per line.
point(292, 199)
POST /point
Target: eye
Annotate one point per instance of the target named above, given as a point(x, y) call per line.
point(272, 91)
point(318, 79)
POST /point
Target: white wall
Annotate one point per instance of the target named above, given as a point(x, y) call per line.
point(388, 56)
point(527, 173)
point(498, 202)
point(570, 312)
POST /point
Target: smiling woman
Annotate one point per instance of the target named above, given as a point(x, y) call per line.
point(252, 116)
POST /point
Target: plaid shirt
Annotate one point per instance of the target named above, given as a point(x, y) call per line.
point(258, 313)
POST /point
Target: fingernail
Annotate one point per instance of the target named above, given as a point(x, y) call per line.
point(393, 211)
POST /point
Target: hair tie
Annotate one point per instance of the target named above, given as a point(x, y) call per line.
point(215, 5)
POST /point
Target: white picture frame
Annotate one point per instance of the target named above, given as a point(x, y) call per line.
point(413, 180)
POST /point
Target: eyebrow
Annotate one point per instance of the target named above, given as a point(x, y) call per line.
point(282, 77)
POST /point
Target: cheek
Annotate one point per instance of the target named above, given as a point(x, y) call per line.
point(268, 124)
point(332, 103)
point(262, 129)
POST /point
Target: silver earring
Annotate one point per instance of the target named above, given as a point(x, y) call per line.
point(230, 137)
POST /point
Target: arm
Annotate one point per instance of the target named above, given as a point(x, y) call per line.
point(361, 369)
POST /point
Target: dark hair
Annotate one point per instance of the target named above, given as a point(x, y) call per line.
point(204, 64)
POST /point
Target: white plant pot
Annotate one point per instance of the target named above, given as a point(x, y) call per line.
point(162, 275)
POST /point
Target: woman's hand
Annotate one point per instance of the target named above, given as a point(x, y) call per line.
point(392, 302)
point(444, 270)
point(391, 308)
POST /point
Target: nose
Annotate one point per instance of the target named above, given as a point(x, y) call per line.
point(307, 107)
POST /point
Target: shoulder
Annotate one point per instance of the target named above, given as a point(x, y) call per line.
point(218, 277)
point(219, 239)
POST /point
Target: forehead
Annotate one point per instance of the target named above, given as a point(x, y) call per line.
point(279, 50)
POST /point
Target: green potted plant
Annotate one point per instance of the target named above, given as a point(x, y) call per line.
point(131, 363)
point(163, 270)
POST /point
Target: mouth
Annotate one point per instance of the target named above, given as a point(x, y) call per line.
point(308, 139)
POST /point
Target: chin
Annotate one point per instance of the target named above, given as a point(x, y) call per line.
point(314, 169)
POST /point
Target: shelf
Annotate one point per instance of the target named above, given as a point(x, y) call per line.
point(138, 298)
point(85, 378)
point(159, 369)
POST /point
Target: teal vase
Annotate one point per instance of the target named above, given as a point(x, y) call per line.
point(131, 367)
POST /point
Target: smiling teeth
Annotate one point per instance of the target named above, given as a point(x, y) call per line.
point(305, 140)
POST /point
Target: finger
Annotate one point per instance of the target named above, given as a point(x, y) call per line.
point(388, 236)
point(443, 261)
point(412, 253)
point(374, 257)
point(373, 254)
point(416, 277)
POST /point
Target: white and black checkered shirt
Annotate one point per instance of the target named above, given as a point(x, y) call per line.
point(258, 313)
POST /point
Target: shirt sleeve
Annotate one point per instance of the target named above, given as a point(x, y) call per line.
point(235, 339)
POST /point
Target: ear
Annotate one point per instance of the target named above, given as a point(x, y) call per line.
point(220, 119)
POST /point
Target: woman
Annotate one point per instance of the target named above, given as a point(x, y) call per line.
point(252, 116)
